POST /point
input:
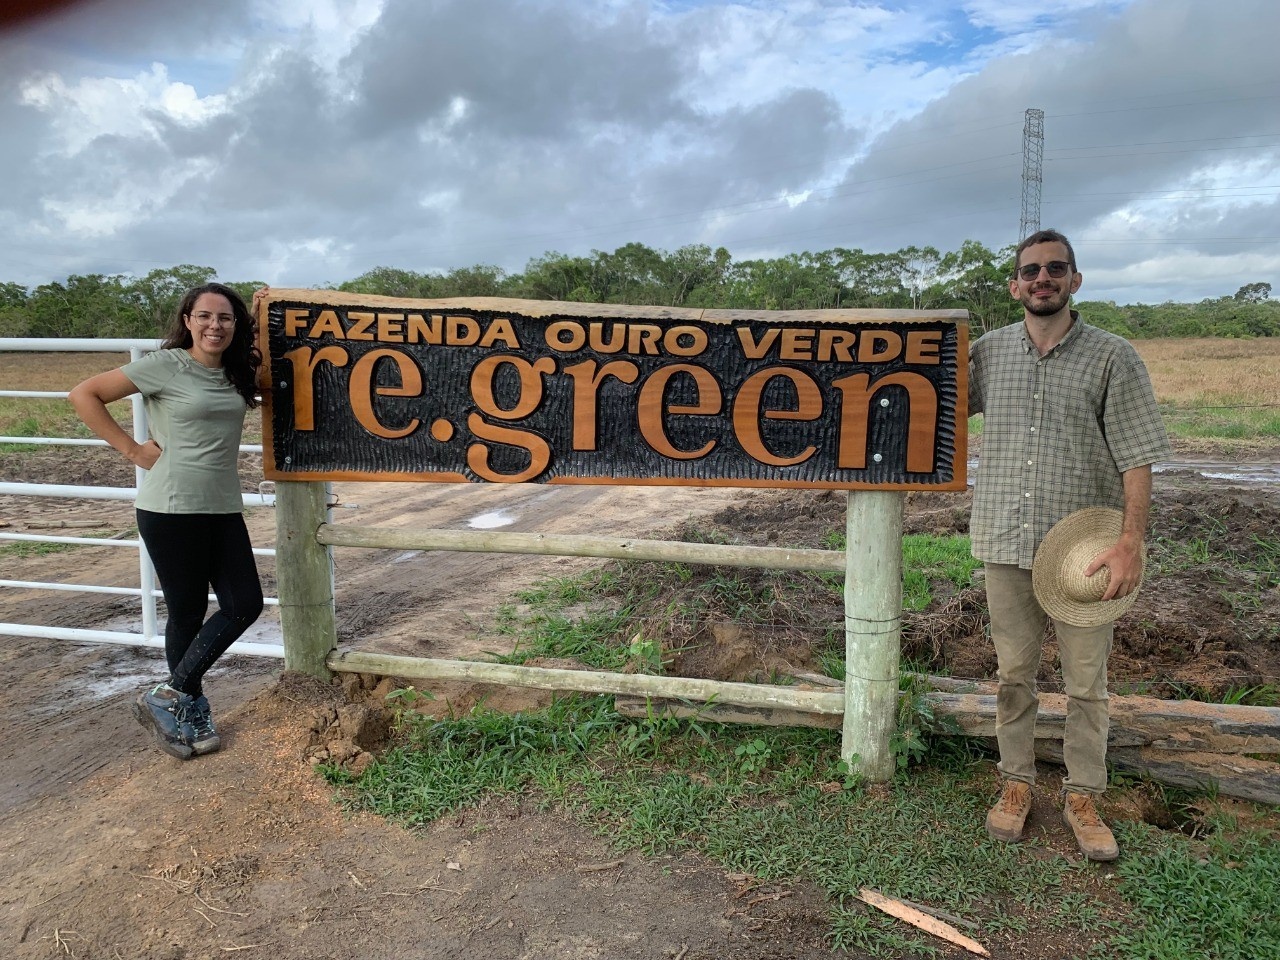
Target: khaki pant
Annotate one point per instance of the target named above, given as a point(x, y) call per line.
point(1017, 630)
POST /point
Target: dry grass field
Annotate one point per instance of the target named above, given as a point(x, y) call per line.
point(48, 372)
point(1193, 372)
point(1217, 388)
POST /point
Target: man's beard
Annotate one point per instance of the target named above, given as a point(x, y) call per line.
point(1045, 308)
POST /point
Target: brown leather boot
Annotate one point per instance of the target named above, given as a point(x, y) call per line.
point(1005, 819)
point(1094, 837)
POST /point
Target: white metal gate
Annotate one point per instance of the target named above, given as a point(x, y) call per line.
point(147, 591)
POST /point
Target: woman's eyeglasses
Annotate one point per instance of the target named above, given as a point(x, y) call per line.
point(1057, 269)
point(210, 319)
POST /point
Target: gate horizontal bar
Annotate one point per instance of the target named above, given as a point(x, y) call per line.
point(125, 639)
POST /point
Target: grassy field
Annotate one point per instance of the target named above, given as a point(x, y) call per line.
point(785, 809)
point(1216, 388)
point(48, 372)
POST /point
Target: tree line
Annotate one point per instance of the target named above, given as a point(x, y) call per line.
point(973, 278)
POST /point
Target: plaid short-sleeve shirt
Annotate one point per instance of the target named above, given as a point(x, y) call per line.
point(1058, 431)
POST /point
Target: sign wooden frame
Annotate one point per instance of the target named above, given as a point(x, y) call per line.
point(363, 387)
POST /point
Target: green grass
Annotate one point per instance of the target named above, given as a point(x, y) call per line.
point(37, 417)
point(545, 623)
point(926, 558)
point(608, 618)
point(773, 803)
point(49, 417)
point(777, 804)
point(1222, 421)
point(1260, 695)
point(26, 548)
point(23, 427)
point(1216, 899)
point(26, 427)
point(1216, 550)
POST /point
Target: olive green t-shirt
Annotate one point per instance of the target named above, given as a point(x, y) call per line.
point(196, 416)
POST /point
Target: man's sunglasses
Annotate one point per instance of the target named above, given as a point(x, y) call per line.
point(1057, 269)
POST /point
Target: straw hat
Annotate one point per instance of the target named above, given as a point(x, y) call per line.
point(1057, 573)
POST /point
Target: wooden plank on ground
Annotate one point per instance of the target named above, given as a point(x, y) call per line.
point(1231, 775)
point(592, 681)
point(925, 922)
point(1170, 726)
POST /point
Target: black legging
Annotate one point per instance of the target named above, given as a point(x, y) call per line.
point(190, 552)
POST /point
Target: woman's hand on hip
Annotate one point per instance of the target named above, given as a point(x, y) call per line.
point(145, 455)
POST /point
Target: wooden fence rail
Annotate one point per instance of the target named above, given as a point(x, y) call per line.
point(575, 545)
point(592, 681)
point(872, 567)
point(1183, 743)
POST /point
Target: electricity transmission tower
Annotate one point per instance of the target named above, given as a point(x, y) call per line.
point(1032, 172)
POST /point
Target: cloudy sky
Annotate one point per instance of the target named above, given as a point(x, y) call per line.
point(302, 142)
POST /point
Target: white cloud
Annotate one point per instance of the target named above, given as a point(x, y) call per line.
point(748, 52)
point(92, 214)
point(1179, 276)
point(91, 107)
point(326, 29)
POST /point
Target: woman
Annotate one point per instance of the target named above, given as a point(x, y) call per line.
point(196, 390)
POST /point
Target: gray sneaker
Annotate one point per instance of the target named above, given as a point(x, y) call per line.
point(205, 739)
point(167, 713)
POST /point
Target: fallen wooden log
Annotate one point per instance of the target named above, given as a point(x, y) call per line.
point(655, 707)
point(957, 685)
point(1169, 725)
point(1231, 776)
point(1172, 725)
point(935, 682)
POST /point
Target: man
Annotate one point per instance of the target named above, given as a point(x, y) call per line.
point(1070, 421)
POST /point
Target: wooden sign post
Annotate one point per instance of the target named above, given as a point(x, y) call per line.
point(489, 390)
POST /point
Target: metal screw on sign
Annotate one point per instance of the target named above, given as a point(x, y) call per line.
point(884, 401)
point(283, 384)
point(876, 457)
point(290, 459)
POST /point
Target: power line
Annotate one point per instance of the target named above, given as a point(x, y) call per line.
point(1163, 143)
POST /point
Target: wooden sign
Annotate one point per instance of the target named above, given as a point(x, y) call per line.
point(510, 391)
